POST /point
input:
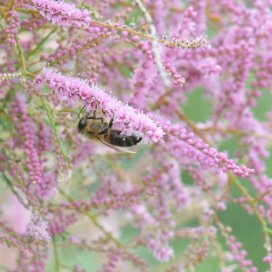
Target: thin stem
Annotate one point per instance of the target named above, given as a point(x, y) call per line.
point(96, 14)
point(54, 127)
point(41, 43)
point(56, 256)
point(22, 60)
point(94, 220)
point(11, 4)
point(21, 55)
point(155, 44)
point(251, 202)
point(185, 44)
point(102, 229)
point(263, 195)
point(191, 125)
point(9, 184)
point(226, 189)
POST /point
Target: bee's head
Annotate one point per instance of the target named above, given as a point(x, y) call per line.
point(82, 124)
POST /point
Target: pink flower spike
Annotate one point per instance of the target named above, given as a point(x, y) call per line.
point(62, 14)
point(126, 118)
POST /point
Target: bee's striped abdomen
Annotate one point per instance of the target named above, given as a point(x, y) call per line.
point(115, 138)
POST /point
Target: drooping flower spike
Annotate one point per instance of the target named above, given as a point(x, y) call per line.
point(126, 118)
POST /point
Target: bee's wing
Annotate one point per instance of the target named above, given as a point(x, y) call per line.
point(116, 148)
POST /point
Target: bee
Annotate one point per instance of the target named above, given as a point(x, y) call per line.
point(96, 128)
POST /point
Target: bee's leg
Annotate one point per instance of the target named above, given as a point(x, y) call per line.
point(105, 131)
point(110, 123)
point(82, 109)
point(95, 118)
point(99, 118)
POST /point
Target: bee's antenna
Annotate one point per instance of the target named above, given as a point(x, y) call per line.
point(82, 109)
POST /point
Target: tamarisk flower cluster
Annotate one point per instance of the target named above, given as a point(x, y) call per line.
point(62, 14)
point(190, 146)
point(125, 117)
point(12, 28)
point(27, 130)
point(192, 79)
